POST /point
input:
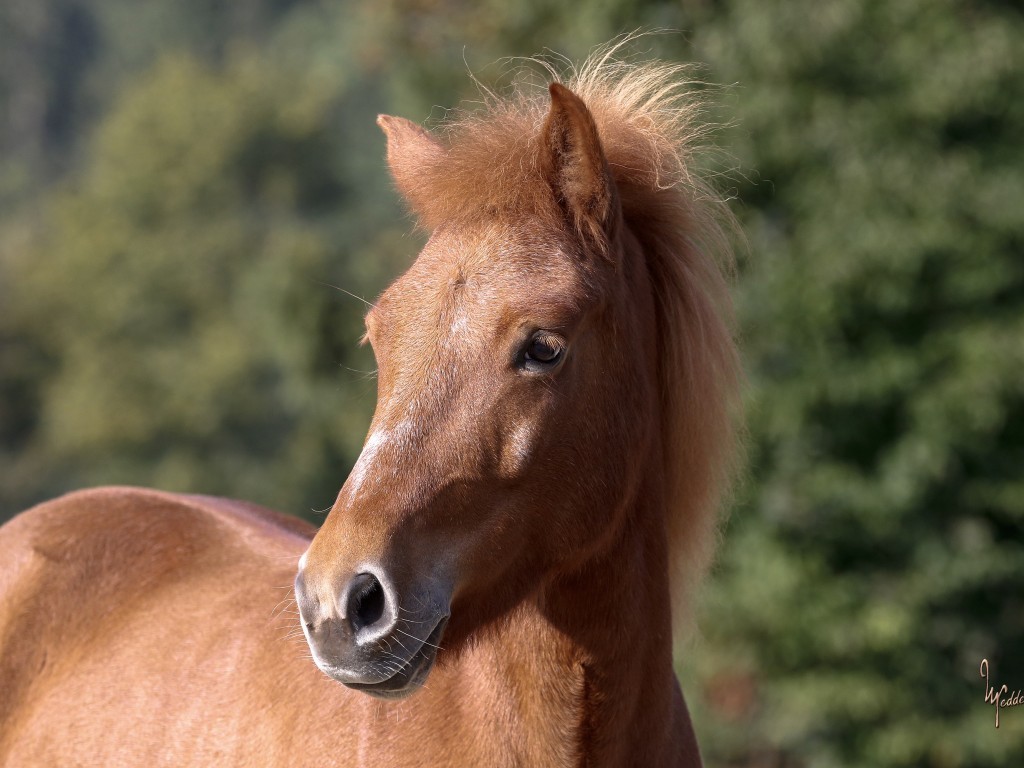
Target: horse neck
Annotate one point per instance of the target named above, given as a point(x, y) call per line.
point(615, 611)
point(585, 666)
point(598, 643)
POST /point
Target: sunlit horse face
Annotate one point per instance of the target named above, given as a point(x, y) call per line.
point(516, 382)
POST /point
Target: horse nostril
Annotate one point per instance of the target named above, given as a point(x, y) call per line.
point(365, 601)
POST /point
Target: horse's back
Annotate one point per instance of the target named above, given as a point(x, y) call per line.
point(134, 623)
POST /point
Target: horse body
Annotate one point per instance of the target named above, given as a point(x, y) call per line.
point(493, 585)
point(123, 614)
point(179, 655)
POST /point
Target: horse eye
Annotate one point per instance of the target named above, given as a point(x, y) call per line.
point(542, 352)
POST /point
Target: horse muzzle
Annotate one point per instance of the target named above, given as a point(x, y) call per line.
point(367, 639)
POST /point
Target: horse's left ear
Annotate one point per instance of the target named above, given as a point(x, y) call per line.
point(576, 167)
point(411, 151)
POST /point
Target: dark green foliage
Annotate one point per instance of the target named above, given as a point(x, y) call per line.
point(880, 556)
point(177, 306)
point(182, 184)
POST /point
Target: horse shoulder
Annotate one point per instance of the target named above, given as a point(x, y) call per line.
point(128, 540)
point(84, 577)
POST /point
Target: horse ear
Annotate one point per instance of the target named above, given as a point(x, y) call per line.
point(411, 150)
point(576, 167)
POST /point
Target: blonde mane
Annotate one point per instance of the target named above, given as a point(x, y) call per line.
point(649, 120)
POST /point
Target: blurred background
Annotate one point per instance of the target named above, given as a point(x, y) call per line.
point(183, 185)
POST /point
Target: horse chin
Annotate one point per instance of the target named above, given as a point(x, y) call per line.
point(412, 675)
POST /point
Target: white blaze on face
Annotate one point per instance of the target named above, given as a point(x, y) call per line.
point(365, 461)
point(518, 447)
point(375, 443)
point(459, 326)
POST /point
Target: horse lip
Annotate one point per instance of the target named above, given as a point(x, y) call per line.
point(412, 674)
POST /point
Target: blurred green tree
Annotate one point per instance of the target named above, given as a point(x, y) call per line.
point(879, 555)
point(185, 331)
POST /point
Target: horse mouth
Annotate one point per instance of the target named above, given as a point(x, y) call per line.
point(411, 675)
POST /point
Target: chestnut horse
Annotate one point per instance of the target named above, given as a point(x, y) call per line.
point(554, 429)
